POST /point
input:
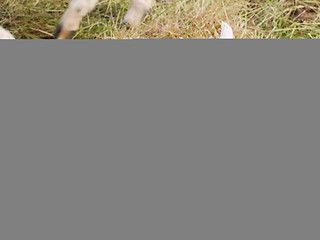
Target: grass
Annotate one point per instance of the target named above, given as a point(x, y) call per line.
point(34, 19)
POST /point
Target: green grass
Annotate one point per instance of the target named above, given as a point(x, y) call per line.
point(34, 19)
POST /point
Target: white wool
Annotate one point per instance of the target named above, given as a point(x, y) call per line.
point(226, 31)
point(4, 34)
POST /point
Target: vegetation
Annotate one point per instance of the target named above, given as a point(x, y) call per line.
point(33, 19)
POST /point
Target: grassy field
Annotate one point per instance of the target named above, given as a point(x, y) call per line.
point(34, 19)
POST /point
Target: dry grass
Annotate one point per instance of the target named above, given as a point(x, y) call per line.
point(32, 19)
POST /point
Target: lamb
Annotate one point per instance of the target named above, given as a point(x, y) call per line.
point(77, 9)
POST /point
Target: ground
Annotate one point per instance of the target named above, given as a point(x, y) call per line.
point(34, 19)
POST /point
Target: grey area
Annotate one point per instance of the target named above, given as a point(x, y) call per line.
point(159, 140)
